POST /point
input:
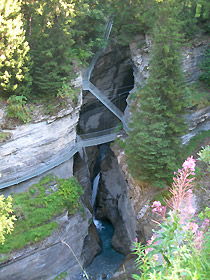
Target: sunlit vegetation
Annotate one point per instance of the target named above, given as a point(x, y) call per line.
point(36, 209)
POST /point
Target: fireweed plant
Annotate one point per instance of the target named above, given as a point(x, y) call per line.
point(180, 249)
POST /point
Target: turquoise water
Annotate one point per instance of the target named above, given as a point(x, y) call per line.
point(107, 262)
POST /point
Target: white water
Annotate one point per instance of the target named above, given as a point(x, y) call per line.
point(95, 190)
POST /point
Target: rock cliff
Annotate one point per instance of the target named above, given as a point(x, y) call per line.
point(45, 140)
point(47, 259)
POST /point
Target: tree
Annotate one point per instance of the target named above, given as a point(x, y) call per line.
point(6, 219)
point(203, 14)
point(59, 38)
point(14, 59)
point(153, 145)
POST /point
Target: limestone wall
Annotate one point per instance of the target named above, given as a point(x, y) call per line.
point(38, 144)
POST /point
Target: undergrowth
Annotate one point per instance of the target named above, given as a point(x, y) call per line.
point(4, 136)
point(197, 96)
point(195, 143)
point(36, 208)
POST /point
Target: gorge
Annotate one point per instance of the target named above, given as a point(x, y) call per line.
point(119, 199)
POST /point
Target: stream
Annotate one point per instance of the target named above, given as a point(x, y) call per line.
point(107, 262)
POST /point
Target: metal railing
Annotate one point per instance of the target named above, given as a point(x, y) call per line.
point(85, 140)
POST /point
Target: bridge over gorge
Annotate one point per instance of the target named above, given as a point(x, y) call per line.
point(84, 140)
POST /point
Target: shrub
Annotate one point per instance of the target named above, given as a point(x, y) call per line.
point(180, 248)
point(68, 94)
point(6, 219)
point(205, 67)
point(36, 208)
point(17, 108)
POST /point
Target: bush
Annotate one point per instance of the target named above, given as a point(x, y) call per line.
point(17, 108)
point(68, 94)
point(36, 208)
point(180, 248)
point(205, 67)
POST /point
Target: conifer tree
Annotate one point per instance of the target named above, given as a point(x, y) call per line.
point(153, 145)
point(59, 35)
point(14, 59)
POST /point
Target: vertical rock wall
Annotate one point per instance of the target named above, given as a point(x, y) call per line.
point(36, 145)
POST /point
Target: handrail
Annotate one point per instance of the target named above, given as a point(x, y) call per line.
point(87, 85)
point(82, 140)
point(68, 152)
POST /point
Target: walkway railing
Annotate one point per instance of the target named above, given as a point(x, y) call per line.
point(85, 140)
point(87, 85)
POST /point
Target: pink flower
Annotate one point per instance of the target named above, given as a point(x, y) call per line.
point(190, 210)
point(136, 239)
point(205, 224)
point(150, 242)
point(189, 163)
point(156, 204)
point(193, 227)
point(155, 258)
point(199, 239)
point(158, 209)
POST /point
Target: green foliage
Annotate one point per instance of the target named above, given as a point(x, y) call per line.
point(68, 94)
point(4, 136)
point(203, 14)
point(120, 143)
point(205, 214)
point(197, 96)
point(14, 59)
point(179, 249)
point(180, 261)
point(204, 156)
point(60, 40)
point(61, 276)
point(205, 67)
point(36, 208)
point(195, 143)
point(153, 145)
point(162, 196)
point(17, 108)
point(130, 17)
point(6, 219)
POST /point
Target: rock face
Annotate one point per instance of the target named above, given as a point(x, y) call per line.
point(36, 145)
point(192, 54)
point(197, 121)
point(140, 198)
point(112, 74)
point(92, 245)
point(50, 257)
point(114, 203)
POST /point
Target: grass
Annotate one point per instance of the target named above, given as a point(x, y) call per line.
point(61, 276)
point(36, 209)
point(4, 136)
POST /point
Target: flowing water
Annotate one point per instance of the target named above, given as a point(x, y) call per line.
point(106, 263)
point(95, 191)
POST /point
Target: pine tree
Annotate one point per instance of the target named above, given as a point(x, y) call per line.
point(59, 35)
point(14, 59)
point(154, 143)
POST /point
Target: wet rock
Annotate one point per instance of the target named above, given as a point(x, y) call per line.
point(114, 204)
point(92, 245)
